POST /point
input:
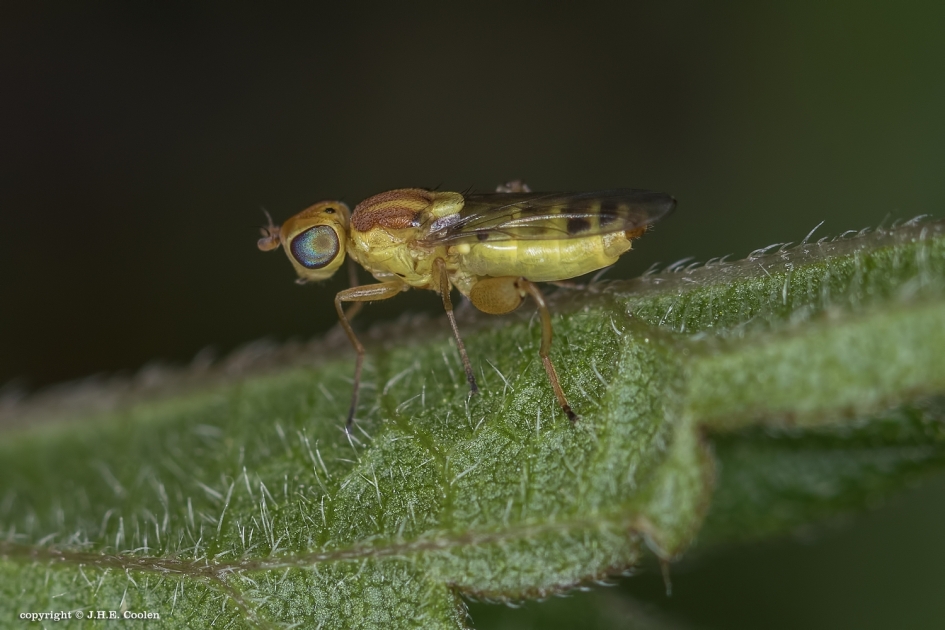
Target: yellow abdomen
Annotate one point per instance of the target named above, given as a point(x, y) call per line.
point(540, 260)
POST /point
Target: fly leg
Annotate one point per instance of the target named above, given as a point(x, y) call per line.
point(504, 295)
point(445, 288)
point(353, 282)
point(544, 351)
point(366, 293)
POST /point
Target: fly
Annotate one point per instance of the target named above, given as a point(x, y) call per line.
point(493, 248)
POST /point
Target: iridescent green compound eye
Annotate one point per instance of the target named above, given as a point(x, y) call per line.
point(315, 247)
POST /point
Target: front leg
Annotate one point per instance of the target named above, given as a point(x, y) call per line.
point(366, 293)
point(353, 282)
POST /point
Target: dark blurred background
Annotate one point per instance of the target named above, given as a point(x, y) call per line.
point(138, 142)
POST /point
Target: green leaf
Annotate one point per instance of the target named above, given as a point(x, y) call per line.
point(749, 397)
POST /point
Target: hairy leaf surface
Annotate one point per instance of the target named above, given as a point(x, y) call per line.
point(749, 397)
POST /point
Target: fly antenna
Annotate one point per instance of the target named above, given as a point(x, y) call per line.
point(270, 233)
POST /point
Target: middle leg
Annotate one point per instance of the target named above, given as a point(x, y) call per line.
point(445, 288)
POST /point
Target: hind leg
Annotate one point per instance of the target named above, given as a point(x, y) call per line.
point(503, 295)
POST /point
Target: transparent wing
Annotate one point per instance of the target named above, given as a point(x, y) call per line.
point(549, 216)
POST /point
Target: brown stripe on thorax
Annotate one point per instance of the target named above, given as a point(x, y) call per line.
point(394, 209)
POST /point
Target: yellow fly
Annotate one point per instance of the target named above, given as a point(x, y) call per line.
point(492, 247)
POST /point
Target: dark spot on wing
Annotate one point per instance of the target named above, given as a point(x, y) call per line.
point(608, 212)
point(482, 236)
point(577, 225)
